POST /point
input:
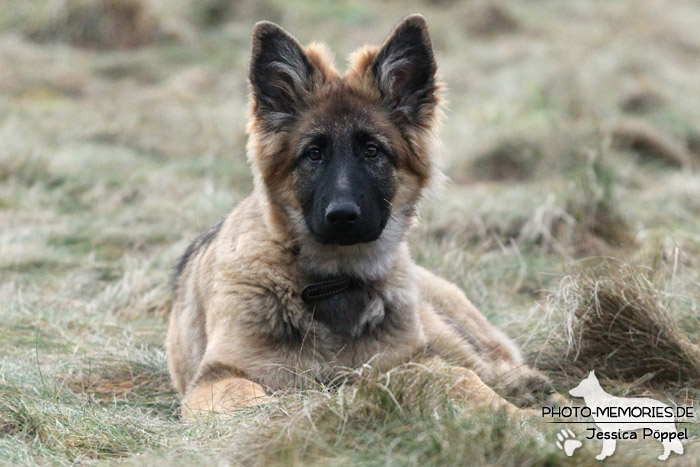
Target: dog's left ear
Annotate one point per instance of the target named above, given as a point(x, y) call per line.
point(404, 70)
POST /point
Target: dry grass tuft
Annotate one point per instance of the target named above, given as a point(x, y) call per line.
point(25, 167)
point(595, 211)
point(693, 143)
point(406, 414)
point(582, 220)
point(641, 99)
point(490, 18)
point(100, 24)
point(640, 137)
point(617, 323)
point(214, 12)
point(508, 159)
point(111, 380)
point(210, 13)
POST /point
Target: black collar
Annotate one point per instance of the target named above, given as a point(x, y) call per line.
point(321, 290)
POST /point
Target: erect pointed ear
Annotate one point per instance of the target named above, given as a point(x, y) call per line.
point(281, 75)
point(405, 69)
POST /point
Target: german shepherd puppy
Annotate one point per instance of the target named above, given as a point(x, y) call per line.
point(312, 272)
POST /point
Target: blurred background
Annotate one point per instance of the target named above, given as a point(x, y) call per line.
point(571, 143)
point(572, 127)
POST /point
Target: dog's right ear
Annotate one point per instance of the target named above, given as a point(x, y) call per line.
point(281, 75)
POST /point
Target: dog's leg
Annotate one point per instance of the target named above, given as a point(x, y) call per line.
point(471, 388)
point(464, 384)
point(220, 388)
point(608, 449)
point(458, 332)
point(444, 341)
point(221, 396)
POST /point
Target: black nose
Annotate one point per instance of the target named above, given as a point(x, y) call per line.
point(342, 212)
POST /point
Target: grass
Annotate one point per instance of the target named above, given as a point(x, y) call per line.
point(614, 317)
point(572, 147)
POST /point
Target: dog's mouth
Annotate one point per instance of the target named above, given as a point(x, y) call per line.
point(345, 238)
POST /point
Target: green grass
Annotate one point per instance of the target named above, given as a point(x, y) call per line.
point(112, 161)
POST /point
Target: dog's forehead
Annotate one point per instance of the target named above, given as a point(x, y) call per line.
point(337, 110)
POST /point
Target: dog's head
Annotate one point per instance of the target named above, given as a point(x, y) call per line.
point(342, 157)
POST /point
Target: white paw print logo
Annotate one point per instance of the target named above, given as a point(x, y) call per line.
point(566, 440)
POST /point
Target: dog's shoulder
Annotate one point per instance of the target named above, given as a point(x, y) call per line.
point(238, 248)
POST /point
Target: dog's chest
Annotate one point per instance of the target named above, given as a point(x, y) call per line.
point(350, 313)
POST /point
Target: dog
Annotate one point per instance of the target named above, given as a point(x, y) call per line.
point(312, 273)
point(658, 418)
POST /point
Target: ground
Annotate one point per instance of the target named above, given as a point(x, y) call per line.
point(571, 146)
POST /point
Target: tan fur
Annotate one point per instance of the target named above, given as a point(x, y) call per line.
point(221, 396)
point(238, 324)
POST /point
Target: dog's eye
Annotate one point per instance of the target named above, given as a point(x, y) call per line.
point(371, 150)
point(315, 154)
